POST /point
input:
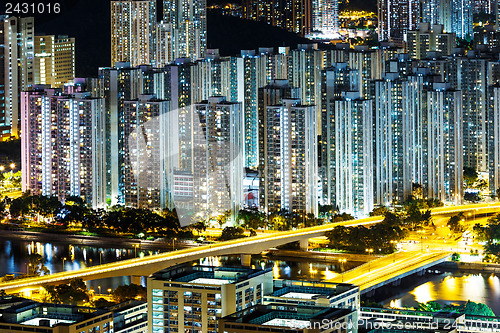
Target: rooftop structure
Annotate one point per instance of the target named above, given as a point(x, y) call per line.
point(335, 295)
point(193, 297)
point(282, 318)
point(19, 314)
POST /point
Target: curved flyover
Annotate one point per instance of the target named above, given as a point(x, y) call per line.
point(148, 265)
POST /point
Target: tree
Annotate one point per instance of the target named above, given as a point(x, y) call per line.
point(431, 306)
point(36, 266)
point(75, 292)
point(379, 211)
point(454, 223)
point(126, 292)
point(470, 176)
point(232, 233)
point(102, 303)
point(476, 309)
point(199, 227)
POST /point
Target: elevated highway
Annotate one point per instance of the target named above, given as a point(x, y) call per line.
point(247, 246)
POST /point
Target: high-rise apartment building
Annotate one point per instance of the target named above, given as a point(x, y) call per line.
point(133, 32)
point(16, 70)
point(326, 17)
point(351, 147)
point(470, 75)
point(392, 176)
point(144, 169)
point(75, 165)
point(493, 138)
point(396, 17)
point(188, 24)
point(252, 71)
point(443, 148)
point(218, 157)
point(292, 15)
point(288, 149)
point(192, 298)
point(462, 18)
point(54, 60)
point(430, 39)
point(117, 85)
point(304, 71)
point(335, 80)
point(456, 16)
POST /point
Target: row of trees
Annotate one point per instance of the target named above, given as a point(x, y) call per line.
point(469, 308)
point(490, 235)
point(76, 213)
point(412, 215)
point(380, 238)
point(76, 292)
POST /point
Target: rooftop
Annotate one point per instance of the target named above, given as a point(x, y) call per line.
point(207, 275)
point(291, 316)
point(310, 289)
point(16, 310)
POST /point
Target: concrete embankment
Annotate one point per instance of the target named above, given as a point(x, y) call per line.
point(89, 240)
point(322, 256)
point(470, 266)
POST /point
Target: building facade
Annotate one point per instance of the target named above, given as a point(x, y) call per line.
point(16, 70)
point(54, 60)
point(74, 166)
point(193, 298)
point(133, 32)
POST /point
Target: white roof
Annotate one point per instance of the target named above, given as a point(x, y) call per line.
point(291, 323)
point(217, 282)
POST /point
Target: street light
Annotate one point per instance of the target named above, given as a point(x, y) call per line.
point(173, 244)
point(109, 291)
point(342, 262)
point(135, 249)
point(64, 259)
point(28, 269)
point(99, 289)
point(12, 167)
point(370, 251)
point(100, 257)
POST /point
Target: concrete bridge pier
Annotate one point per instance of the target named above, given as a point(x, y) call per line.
point(396, 283)
point(304, 244)
point(136, 279)
point(246, 260)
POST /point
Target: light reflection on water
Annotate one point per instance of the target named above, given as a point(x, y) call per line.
point(453, 288)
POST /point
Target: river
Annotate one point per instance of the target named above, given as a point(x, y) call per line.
point(446, 288)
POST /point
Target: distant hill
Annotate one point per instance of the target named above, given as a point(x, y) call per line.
point(231, 34)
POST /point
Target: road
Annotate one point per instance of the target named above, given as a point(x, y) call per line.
point(386, 268)
point(12, 195)
point(148, 265)
point(252, 245)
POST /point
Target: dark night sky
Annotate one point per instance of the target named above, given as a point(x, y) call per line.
point(89, 22)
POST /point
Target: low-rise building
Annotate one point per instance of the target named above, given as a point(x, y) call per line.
point(188, 298)
point(289, 318)
point(334, 295)
point(23, 315)
point(130, 317)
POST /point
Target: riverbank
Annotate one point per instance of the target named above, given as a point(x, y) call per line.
point(83, 240)
point(469, 267)
point(322, 256)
